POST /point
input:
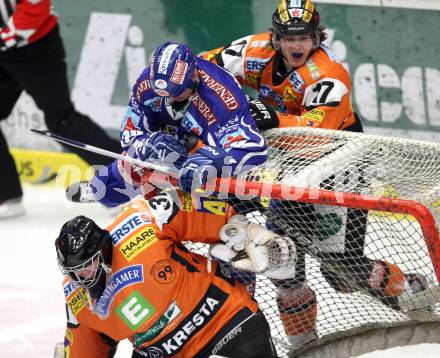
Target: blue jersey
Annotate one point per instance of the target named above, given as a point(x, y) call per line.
point(217, 113)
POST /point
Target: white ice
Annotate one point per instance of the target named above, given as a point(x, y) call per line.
point(32, 316)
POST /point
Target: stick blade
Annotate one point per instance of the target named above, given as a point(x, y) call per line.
point(46, 133)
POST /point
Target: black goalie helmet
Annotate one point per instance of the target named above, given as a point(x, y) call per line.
point(295, 17)
point(84, 253)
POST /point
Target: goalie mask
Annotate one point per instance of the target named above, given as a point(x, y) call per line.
point(84, 253)
point(295, 17)
point(171, 69)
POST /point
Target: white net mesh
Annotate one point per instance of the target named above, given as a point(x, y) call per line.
point(357, 268)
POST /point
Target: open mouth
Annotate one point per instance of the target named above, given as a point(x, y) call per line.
point(297, 55)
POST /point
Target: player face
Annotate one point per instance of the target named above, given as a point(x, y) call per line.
point(296, 48)
point(188, 92)
point(89, 271)
point(183, 96)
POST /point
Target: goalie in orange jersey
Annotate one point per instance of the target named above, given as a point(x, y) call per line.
point(137, 280)
point(300, 82)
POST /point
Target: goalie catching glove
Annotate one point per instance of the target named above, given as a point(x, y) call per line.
point(251, 247)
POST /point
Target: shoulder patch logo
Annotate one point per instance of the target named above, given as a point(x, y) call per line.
point(163, 272)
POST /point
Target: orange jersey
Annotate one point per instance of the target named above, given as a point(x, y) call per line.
point(316, 94)
point(160, 296)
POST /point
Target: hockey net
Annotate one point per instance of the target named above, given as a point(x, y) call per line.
point(349, 200)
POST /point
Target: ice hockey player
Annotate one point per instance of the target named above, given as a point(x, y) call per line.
point(137, 280)
point(300, 82)
point(292, 71)
point(188, 114)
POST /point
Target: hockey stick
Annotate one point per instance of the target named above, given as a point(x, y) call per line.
point(154, 166)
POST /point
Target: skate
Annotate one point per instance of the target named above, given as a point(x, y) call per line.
point(80, 192)
point(11, 208)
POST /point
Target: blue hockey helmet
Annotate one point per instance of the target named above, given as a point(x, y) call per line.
point(171, 69)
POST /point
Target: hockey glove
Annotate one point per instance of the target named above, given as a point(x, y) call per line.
point(159, 146)
point(265, 116)
point(251, 247)
point(206, 163)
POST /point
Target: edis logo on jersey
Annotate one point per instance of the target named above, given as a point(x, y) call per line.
point(127, 226)
point(313, 69)
point(138, 242)
point(135, 310)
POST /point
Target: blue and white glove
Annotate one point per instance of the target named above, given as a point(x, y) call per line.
point(206, 163)
point(161, 147)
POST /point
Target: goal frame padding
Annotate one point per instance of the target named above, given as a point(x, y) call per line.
point(375, 339)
